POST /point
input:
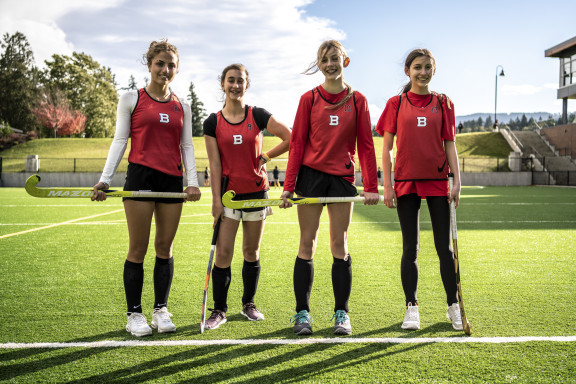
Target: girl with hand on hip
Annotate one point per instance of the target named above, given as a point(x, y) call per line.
point(331, 121)
point(233, 138)
point(424, 125)
point(159, 125)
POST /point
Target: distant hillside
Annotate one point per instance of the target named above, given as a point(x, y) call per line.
point(506, 117)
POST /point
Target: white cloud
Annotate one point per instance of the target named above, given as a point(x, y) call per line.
point(276, 40)
point(375, 112)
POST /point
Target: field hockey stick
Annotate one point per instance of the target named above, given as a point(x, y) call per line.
point(88, 192)
point(210, 259)
point(465, 323)
point(255, 203)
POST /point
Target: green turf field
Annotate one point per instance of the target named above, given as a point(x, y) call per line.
point(61, 266)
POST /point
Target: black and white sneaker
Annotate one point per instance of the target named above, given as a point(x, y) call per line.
point(342, 323)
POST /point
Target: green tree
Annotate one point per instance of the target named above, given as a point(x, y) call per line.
point(523, 122)
point(198, 111)
point(18, 79)
point(89, 87)
point(488, 124)
point(132, 86)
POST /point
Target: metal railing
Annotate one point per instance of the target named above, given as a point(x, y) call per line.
point(81, 165)
point(467, 164)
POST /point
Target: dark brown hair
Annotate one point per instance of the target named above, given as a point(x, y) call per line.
point(410, 58)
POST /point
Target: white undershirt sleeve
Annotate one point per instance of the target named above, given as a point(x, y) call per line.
point(126, 105)
point(187, 148)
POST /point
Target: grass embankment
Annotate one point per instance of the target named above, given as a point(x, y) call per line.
point(89, 155)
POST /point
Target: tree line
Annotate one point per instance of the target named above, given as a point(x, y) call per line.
point(74, 96)
point(518, 124)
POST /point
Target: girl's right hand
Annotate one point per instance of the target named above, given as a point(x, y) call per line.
point(217, 212)
point(285, 196)
point(98, 194)
point(389, 197)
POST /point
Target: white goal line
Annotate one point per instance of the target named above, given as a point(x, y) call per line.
point(307, 341)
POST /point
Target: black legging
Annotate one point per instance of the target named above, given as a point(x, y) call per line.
point(409, 216)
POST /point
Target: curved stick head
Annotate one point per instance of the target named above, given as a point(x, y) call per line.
point(227, 198)
point(30, 185)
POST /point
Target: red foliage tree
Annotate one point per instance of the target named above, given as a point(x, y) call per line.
point(60, 119)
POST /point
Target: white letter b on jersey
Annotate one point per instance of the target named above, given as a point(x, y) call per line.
point(333, 120)
point(164, 118)
point(237, 139)
point(421, 122)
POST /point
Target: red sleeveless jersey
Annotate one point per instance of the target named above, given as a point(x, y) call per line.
point(240, 148)
point(155, 132)
point(420, 148)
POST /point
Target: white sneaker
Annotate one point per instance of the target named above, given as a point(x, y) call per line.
point(161, 320)
point(411, 318)
point(137, 325)
point(453, 314)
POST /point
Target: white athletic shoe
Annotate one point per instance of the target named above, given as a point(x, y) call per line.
point(137, 325)
point(453, 314)
point(161, 320)
point(411, 318)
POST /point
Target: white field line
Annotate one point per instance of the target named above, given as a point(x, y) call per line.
point(58, 224)
point(369, 340)
point(123, 222)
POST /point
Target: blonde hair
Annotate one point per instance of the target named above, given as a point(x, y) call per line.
point(313, 68)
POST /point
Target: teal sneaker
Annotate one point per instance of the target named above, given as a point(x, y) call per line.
point(302, 323)
point(342, 323)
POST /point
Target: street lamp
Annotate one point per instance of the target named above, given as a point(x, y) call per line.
point(496, 94)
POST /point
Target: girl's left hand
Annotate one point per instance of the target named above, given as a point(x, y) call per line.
point(370, 198)
point(193, 193)
point(455, 195)
point(261, 165)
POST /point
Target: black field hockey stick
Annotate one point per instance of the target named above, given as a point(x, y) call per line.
point(255, 203)
point(210, 260)
point(61, 192)
point(465, 323)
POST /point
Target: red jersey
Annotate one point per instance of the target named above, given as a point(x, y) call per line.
point(422, 123)
point(325, 139)
point(155, 132)
point(240, 148)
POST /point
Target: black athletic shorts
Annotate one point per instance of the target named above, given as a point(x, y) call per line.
point(250, 196)
point(313, 183)
point(142, 178)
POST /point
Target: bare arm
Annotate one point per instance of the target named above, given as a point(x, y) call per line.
point(452, 156)
point(281, 131)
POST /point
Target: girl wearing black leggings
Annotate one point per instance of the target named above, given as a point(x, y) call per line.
point(424, 125)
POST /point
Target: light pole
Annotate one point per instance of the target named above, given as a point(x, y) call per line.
point(496, 94)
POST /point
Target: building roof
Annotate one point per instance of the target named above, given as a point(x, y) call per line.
point(562, 49)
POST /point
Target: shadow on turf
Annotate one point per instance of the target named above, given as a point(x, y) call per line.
point(336, 357)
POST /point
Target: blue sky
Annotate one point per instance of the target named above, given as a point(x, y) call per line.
point(277, 39)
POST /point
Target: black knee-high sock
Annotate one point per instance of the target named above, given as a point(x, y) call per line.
point(250, 276)
point(163, 273)
point(133, 282)
point(342, 282)
point(220, 283)
point(303, 279)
